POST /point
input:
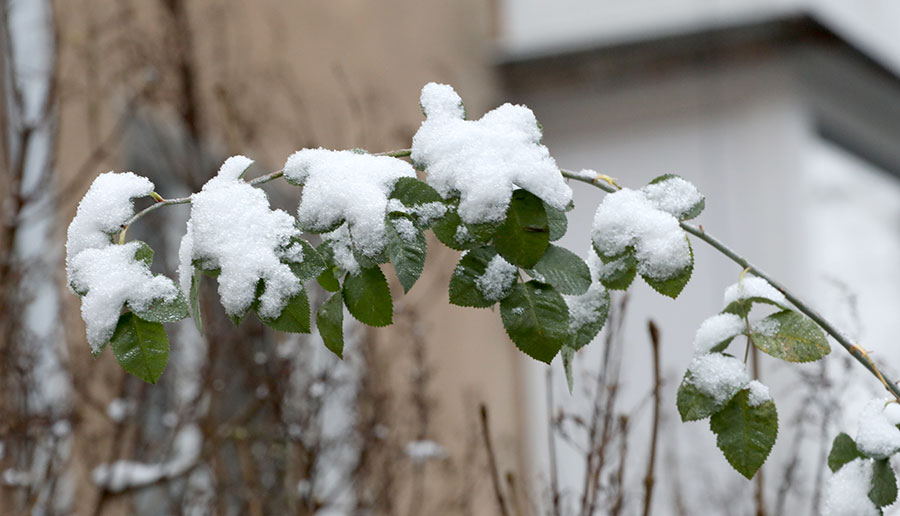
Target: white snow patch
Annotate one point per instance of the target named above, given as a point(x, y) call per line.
point(847, 491)
point(766, 327)
point(716, 330)
point(406, 229)
point(675, 196)
point(484, 160)
point(429, 212)
point(341, 245)
point(586, 308)
point(759, 394)
point(112, 277)
point(628, 219)
point(346, 185)
point(497, 279)
point(232, 228)
point(718, 376)
point(877, 436)
point(752, 286)
point(421, 451)
point(106, 206)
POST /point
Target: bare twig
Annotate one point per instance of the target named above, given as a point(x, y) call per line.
point(492, 460)
point(657, 384)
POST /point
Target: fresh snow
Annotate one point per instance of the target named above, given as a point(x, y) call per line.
point(766, 327)
point(497, 279)
point(111, 277)
point(752, 286)
point(106, 206)
point(232, 228)
point(339, 239)
point(586, 308)
point(346, 185)
point(718, 376)
point(877, 436)
point(673, 195)
point(716, 330)
point(847, 491)
point(759, 394)
point(627, 219)
point(484, 160)
point(406, 229)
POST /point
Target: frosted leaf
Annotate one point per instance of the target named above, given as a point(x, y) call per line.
point(588, 307)
point(752, 286)
point(497, 279)
point(847, 491)
point(673, 195)
point(232, 228)
point(111, 277)
point(627, 219)
point(106, 206)
point(877, 437)
point(429, 212)
point(759, 394)
point(716, 330)
point(766, 327)
point(406, 229)
point(718, 376)
point(339, 239)
point(462, 234)
point(484, 160)
point(345, 185)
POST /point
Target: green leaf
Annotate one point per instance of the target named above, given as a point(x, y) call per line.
point(673, 286)
point(330, 323)
point(558, 222)
point(525, 234)
point(790, 336)
point(692, 403)
point(568, 358)
point(464, 289)
point(164, 311)
point(884, 483)
point(843, 450)
point(407, 255)
point(597, 298)
point(368, 297)
point(451, 231)
point(618, 272)
point(411, 191)
point(564, 270)
point(294, 317)
point(745, 433)
point(536, 319)
point(694, 210)
point(144, 253)
point(312, 265)
point(742, 307)
point(195, 298)
point(329, 281)
point(141, 347)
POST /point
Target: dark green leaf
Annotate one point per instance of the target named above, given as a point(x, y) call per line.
point(694, 210)
point(692, 403)
point(525, 234)
point(294, 317)
point(464, 283)
point(141, 347)
point(790, 336)
point(312, 265)
point(884, 483)
point(410, 191)
point(596, 298)
point(407, 255)
point(144, 253)
point(568, 358)
point(745, 433)
point(329, 281)
point(564, 270)
point(558, 222)
point(330, 323)
point(195, 299)
point(164, 311)
point(451, 231)
point(536, 319)
point(843, 450)
point(368, 297)
point(618, 272)
point(742, 307)
point(673, 286)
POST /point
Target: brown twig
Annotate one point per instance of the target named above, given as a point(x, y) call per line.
point(657, 385)
point(492, 460)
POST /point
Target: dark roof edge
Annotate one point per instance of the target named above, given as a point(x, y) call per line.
point(638, 59)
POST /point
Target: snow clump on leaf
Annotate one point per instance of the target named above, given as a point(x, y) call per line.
point(484, 160)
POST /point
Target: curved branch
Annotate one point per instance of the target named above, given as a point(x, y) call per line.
point(860, 355)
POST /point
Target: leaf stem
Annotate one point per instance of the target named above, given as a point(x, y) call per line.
point(698, 232)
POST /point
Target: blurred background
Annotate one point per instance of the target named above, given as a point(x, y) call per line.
point(785, 113)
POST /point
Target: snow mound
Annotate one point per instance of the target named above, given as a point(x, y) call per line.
point(484, 160)
point(715, 330)
point(232, 228)
point(878, 435)
point(847, 491)
point(346, 185)
point(753, 286)
point(718, 376)
point(673, 195)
